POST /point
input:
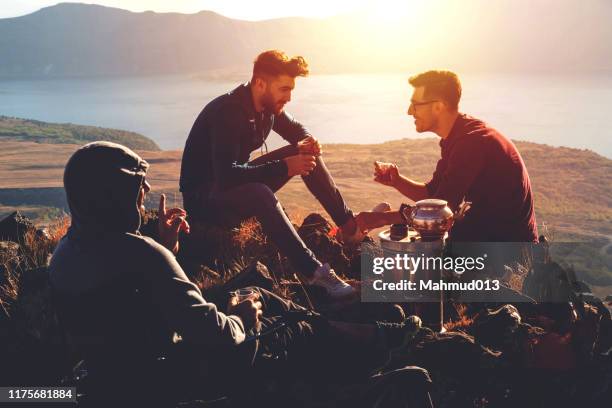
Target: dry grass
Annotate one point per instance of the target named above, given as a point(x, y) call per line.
point(34, 252)
point(10, 259)
point(9, 291)
point(38, 249)
point(463, 322)
point(58, 229)
point(249, 233)
point(515, 281)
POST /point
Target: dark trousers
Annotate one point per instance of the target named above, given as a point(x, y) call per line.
point(266, 372)
point(336, 372)
point(258, 200)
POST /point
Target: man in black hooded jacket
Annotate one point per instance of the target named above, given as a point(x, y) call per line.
point(123, 301)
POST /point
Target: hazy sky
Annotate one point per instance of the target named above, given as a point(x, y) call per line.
point(243, 9)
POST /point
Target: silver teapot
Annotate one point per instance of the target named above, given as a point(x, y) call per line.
point(432, 217)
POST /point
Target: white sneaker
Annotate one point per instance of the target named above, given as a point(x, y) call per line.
point(326, 278)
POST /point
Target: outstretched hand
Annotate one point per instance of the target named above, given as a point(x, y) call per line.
point(369, 220)
point(171, 223)
point(386, 173)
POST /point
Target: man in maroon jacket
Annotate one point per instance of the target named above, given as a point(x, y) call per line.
point(478, 165)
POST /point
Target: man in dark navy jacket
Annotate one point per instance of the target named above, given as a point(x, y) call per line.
point(220, 183)
point(478, 165)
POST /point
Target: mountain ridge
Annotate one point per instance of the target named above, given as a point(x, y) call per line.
point(74, 39)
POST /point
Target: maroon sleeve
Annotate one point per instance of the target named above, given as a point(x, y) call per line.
point(432, 185)
point(465, 163)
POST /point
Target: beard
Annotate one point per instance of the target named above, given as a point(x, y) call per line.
point(271, 105)
point(421, 126)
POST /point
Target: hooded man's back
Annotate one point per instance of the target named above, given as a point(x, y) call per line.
point(121, 296)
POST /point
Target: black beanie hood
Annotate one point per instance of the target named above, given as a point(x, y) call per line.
point(102, 182)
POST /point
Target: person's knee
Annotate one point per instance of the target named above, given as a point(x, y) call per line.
point(258, 200)
point(259, 194)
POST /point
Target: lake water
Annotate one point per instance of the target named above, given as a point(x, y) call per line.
point(560, 111)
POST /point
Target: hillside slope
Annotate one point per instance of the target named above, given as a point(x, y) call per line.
point(573, 188)
point(27, 130)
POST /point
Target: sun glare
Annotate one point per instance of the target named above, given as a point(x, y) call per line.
point(392, 11)
point(391, 30)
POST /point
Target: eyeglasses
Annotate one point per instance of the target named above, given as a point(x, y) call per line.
point(415, 104)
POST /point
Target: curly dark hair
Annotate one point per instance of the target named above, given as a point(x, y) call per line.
point(443, 85)
point(273, 63)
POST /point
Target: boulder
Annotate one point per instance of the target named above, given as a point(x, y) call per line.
point(15, 227)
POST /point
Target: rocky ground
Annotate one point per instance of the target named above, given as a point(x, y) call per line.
point(526, 354)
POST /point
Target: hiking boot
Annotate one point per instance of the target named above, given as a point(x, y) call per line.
point(326, 278)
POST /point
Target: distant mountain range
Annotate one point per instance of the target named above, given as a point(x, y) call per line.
point(544, 36)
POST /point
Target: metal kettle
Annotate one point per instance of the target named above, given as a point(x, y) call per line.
point(432, 217)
